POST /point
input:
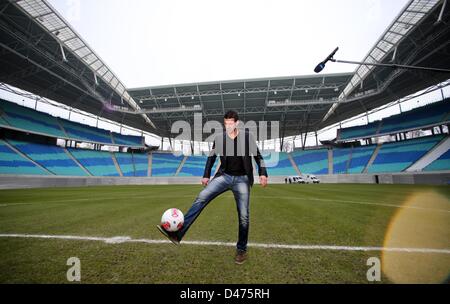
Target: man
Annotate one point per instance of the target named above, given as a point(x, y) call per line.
point(235, 173)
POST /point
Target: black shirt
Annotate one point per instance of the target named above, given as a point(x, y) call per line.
point(234, 163)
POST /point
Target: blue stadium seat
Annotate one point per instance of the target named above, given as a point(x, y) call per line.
point(195, 166)
point(359, 131)
point(440, 164)
point(98, 163)
point(396, 157)
point(341, 158)
point(13, 163)
point(24, 118)
point(3, 120)
point(30, 120)
point(278, 164)
point(125, 161)
point(85, 133)
point(127, 140)
point(165, 164)
point(429, 115)
point(432, 114)
point(360, 158)
point(312, 161)
point(141, 164)
point(53, 158)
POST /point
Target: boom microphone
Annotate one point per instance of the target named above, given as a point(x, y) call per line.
point(321, 65)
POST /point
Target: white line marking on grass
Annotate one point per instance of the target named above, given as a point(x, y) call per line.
point(126, 239)
point(36, 202)
point(14, 204)
point(107, 199)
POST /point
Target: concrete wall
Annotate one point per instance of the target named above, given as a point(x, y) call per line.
point(21, 181)
point(347, 179)
point(416, 178)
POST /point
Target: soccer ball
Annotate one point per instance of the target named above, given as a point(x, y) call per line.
point(172, 220)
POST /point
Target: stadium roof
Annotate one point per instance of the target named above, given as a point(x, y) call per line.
point(265, 99)
point(41, 53)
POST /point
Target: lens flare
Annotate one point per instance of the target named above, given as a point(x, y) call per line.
point(424, 222)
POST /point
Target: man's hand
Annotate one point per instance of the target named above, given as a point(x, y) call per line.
point(263, 181)
point(205, 181)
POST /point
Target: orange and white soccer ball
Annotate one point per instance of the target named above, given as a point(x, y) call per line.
point(172, 220)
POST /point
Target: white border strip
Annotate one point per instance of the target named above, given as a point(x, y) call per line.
point(126, 239)
point(301, 199)
point(306, 199)
point(14, 204)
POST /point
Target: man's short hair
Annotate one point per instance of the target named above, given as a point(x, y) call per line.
point(231, 115)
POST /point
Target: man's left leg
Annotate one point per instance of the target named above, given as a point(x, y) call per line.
point(241, 191)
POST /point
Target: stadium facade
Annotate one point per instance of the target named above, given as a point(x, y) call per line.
point(42, 54)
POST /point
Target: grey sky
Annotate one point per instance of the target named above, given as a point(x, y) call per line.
point(152, 42)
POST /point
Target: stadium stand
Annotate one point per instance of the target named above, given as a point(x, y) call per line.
point(27, 119)
point(165, 164)
point(2, 119)
point(372, 88)
point(140, 164)
point(13, 163)
point(312, 161)
point(127, 140)
point(3, 122)
point(195, 166)
point(441, 164)
point(126, 164)
point(360, 158)
point(98, 163)
point(282, 168)
point(53, 158)
point(86, 133)
point(393, 157)
point(341, 158)
point(427, 116)
point(398, 156)
point(359, 131)
point(279, 165)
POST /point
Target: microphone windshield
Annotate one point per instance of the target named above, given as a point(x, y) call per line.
point(319, 67)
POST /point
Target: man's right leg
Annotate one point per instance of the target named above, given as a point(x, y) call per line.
point(216, 186)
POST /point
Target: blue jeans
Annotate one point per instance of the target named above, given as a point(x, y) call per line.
point(218, 185)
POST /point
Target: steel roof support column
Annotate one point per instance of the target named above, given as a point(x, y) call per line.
point(221, 97)
point(441, 14)
point(283, 132)
point(304, 140)
point(171, 146)
point(301, 141)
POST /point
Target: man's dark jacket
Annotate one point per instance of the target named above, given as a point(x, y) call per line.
point(247, 143)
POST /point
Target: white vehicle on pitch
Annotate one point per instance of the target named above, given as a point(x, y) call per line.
point(311, 179)
point(294, 180)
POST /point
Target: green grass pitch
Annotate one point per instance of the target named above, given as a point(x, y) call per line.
point(334, 215)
